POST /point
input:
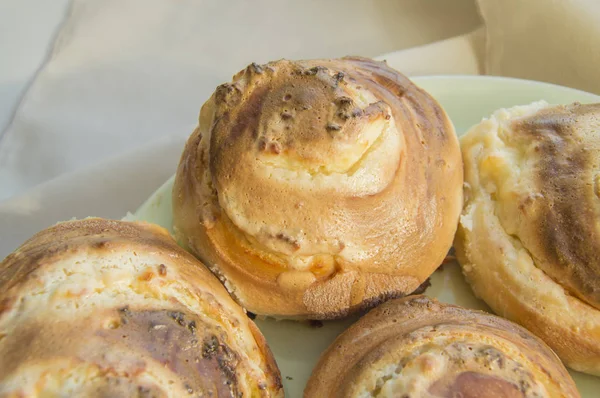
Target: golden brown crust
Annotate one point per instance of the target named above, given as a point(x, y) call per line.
point(108, 308)
point(315, 188)
point(416, 346)
point(529, 237)
point(558, 230)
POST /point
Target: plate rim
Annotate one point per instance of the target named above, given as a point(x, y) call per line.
point(505, 79)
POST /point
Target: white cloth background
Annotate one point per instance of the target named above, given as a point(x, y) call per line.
point(124, 73)
point(556, 41)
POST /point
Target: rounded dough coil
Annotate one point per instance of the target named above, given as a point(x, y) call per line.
point(317, 188)
point(418, 347)
point(529, 234)
point(100, 308)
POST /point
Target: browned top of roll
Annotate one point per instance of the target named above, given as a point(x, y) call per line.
point(561, 226)
point(315, 187)
point(106, 308)
point(528, 234)
point(418, 347)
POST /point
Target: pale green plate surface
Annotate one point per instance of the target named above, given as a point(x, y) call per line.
point(467, 99)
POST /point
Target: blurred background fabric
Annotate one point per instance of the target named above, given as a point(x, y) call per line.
point(556, 41)
point(122, 74)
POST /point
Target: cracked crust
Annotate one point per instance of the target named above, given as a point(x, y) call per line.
point(529, 234)
point(317, 188)
point(108, 308)
point(418, 347)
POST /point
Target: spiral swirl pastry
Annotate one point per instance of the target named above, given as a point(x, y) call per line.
point(529, 237)
point(99, 308)
point(315, 188)
point(418, 347)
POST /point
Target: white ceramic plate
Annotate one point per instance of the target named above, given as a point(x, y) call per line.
point(467, 99)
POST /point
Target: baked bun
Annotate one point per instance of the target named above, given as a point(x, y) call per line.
point(529, 236)
point(418, 347)
point(315, 188)
point(99, 308)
